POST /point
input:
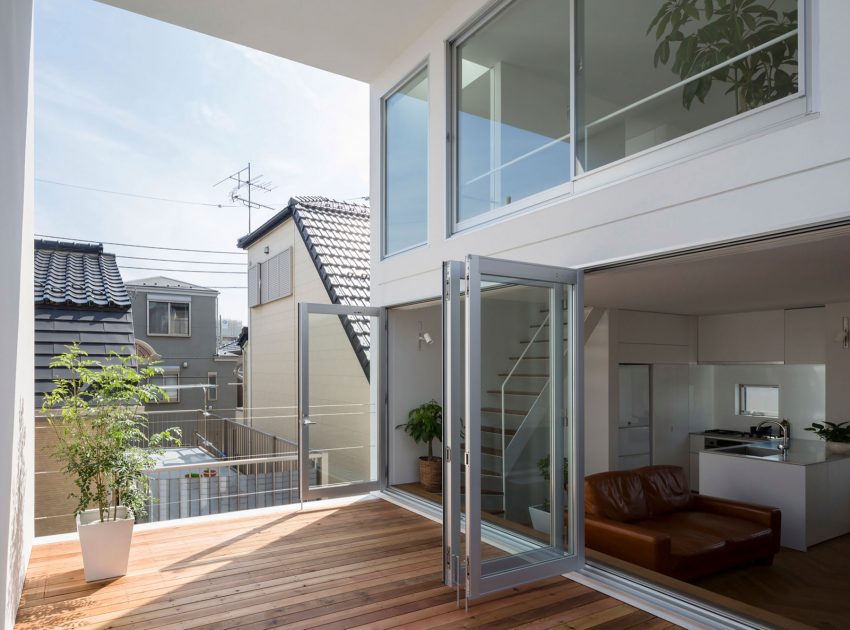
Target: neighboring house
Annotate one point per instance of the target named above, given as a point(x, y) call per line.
point(228, 330)
point(314, 250)
point(79, 298)
point(177, 323)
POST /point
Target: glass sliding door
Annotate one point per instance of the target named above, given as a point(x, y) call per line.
point(341, 386)
point(521, 426)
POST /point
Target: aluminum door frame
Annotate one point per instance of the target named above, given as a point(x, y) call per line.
point(478, 584)
point(305, 309)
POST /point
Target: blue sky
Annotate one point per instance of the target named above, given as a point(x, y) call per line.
point(130, 104)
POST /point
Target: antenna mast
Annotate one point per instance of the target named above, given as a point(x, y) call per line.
point(243, 179)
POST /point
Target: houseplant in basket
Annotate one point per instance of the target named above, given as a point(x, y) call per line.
point(102, 444)
point(539, 514)
point(836, 434)
point(425, 424)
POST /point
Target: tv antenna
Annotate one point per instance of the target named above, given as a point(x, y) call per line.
point(245, 182)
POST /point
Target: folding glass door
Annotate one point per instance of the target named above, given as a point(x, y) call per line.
point(341, 389)
point(513, 423)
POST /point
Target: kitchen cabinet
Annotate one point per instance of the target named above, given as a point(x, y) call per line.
point(757, 337)
point(670, 415)
point(805, 336)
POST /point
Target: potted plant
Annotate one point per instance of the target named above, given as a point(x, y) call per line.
point(539, 513)
point(96, 413)
point(425, 424)
point(837, 435)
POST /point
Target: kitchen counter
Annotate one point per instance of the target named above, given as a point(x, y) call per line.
point(810, 485)
point(799, 453)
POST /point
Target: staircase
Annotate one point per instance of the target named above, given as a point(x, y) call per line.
point(513, 409)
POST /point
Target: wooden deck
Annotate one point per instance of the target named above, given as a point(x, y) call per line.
point(371, 564)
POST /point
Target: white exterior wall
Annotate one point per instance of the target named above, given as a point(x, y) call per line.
point(768, 170)
point(16, 316)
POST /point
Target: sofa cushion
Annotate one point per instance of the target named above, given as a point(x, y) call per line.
point(617, 495)
point(666, 489)
point(686, 544)
point(737, 532)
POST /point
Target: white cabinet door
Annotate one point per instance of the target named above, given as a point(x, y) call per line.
point(805, 336)
point(694, 472)
point(670, 415)
point(742, 338)
point(634, 396)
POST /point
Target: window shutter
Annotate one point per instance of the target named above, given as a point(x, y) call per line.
point(285, 273)
point(276, 275)
point(253, 285)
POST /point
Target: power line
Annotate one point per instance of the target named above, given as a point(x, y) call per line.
point(181, 260)
point(173, 249)
point(241, 273)
point(126, 194)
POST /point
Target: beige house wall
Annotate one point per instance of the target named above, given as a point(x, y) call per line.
point(339, 390)
point(53, 508)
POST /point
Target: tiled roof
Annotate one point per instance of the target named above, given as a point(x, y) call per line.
point(163, 282)
point(76, 274)
point(337, 235)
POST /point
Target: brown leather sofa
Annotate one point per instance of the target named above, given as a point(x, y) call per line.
point(649, 517)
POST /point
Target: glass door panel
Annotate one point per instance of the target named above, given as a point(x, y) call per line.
point(341, 384)
point(522, 366)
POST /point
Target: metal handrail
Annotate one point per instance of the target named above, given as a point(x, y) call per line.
point(504, 384)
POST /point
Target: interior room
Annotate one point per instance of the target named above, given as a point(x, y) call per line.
point(693, 362)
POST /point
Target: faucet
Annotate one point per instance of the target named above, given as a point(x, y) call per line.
point(783, 432)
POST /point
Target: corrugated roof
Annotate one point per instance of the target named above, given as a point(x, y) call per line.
point(76, 274)
point(337, 236)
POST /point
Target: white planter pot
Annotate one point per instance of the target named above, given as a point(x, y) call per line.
point(539, 518)
point(839, 448)
point(106, 545)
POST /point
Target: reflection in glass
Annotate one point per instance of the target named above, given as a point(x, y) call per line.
point(635, 56)
point(513, 107)
point(406, 164)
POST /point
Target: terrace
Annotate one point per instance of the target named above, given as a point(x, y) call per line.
point(362, 562)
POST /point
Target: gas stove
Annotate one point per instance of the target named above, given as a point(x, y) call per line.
point(726, 432)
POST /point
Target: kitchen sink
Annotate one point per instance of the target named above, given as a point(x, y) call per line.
point(753, 451)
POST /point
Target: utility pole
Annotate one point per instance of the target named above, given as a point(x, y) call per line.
point(243, 179)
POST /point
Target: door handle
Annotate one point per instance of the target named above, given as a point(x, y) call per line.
point(307, 421)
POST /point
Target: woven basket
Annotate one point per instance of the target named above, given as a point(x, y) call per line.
point(431, 474)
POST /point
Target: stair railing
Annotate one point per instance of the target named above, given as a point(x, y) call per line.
point(504, 385)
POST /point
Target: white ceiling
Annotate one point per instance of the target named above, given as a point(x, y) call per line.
point(799, 271)
point(354, 39)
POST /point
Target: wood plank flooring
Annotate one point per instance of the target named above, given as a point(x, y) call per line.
point(368, 565)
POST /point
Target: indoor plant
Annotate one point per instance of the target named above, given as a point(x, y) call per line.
point(96, 413)
point(540, 513)
point(425, 424)
point(837, 435)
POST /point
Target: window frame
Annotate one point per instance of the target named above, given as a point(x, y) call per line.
point(422, 65)
point(741, 401)
point(556, 194)
point(212, 388)
point(188, 304)
point(169, 372)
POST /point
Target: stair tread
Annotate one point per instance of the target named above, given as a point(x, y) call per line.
point(510, 412)
point(498, 430)
point(528, 359)
point(544, 325)
point(527, 341)
point(528, 375)
point(488, 450)
point(513, 392)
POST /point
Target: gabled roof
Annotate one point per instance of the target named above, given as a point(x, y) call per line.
point(163, 282)
point(77, 274)
point(337, 237)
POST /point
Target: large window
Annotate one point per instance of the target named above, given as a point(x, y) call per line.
point(168, 318)
point(645, 72)
point(653, 70)
point(512, 95)
point(169, 381)
point(212, 386)
point(406, 165)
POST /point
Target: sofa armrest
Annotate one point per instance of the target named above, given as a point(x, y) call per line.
point(628, 542)
point(761, 514)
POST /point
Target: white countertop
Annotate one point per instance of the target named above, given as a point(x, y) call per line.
point(800, 452)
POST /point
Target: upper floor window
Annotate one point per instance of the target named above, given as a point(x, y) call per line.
point(406, 165)
point(212, 386)
point(169, 382)
point(169, 318)
point(512, 95)
point(526, 117)
point(651, 71)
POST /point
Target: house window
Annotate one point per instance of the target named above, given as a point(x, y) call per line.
point(168, 318)
point(169, 381)
point(212, 389)
point(511, 116)
point(758, 400)
point(406, 165)
point(649, 72)
point(271, 279)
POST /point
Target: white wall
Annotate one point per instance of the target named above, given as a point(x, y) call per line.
point(802, 394)
point(837, 365)
point(692, 191)
point(600, 398)
point(16, 314)
point(415, 377)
